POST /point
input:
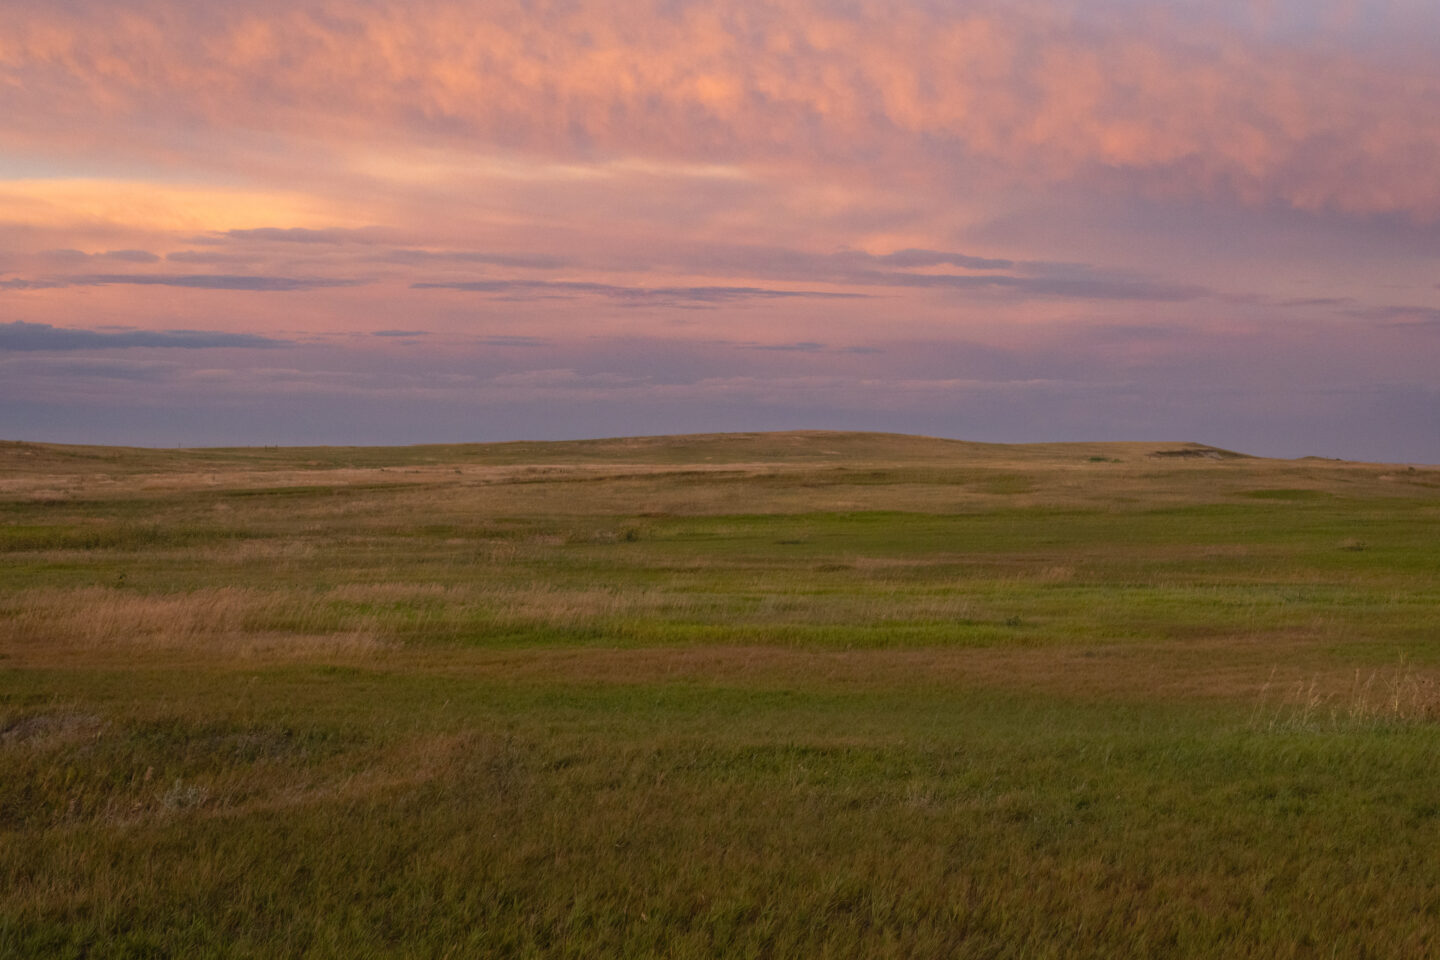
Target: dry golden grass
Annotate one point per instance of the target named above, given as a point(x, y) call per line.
point(1397, 695)
point(217, 621)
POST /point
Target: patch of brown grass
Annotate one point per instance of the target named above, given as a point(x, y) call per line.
point(216, 620)
point(1400, 695)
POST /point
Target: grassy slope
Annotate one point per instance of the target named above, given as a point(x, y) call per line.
point(771, 694)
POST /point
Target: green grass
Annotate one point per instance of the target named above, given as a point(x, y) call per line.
point(654, 820)
point(763, 695)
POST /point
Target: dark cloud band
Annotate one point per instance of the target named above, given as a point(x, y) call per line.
point(22, 336)
point(212, 281)
point(541, 289)
point(197, 281)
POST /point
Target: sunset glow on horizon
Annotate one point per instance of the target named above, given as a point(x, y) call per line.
point(368, 221)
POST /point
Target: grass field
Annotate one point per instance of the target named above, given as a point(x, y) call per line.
point(770, 695)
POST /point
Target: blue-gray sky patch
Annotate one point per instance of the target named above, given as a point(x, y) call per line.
point(523, 261)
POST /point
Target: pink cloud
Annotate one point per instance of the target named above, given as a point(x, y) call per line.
point(898, 91)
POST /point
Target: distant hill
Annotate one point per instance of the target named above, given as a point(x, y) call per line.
point(793, 446)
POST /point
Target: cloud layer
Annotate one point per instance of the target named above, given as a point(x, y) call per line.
point(1193, 101)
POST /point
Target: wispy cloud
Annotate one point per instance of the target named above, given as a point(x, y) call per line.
point(1078, 288)
point(211, 258)
point(800, 346)
point(212, 281)
point(519, 260)
point(80, 256)
point(22, 336)
point(567, 379)
point(513, 341)
point(634, 296)
point(332, 235)
point(1400, 315)
point(912, 258)
point(21, 284)
point(76, 371)
point(901, 268)
point(1308, 302)
point(808, 346)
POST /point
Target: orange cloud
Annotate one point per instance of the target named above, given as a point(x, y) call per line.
point(84, 203)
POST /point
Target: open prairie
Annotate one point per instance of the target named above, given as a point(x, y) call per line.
point(800, 694)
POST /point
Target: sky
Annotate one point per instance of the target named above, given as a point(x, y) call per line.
point(410, 221)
